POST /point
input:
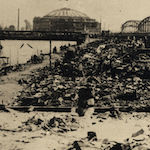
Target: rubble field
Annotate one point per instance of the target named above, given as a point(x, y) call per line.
point(116, 74)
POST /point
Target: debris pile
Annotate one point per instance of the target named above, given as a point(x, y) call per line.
point(54, 124)
point(122, 65)
point(36, 59)
point(138, 142)
point(44, 89)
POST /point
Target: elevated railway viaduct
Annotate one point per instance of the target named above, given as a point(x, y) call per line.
point(42, 35)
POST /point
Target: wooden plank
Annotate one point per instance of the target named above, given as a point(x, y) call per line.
point(69, 109)
point(40, 108)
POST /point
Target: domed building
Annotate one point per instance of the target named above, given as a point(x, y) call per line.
point(66, 20)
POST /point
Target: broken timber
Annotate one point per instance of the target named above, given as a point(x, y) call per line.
point(69, 109)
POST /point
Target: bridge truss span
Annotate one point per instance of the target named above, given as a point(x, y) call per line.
point(144, 25)
point(130, 26)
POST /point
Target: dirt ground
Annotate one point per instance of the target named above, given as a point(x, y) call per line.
point(9, 87)
point(15, 135)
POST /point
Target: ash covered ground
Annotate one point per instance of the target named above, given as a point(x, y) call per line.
point(115, 74)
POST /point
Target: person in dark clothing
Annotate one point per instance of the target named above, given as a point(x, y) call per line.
point(55, 50)
point(84, 94)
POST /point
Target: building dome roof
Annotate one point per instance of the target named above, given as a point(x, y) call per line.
point(66, 12)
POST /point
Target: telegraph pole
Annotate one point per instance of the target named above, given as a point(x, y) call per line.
point(50, 54)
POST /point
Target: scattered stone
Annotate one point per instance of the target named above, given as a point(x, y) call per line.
point(138, 133)
point(117, 146)
point(93, 123)
point(139, 138)
point(105, 141)
point(120, 146)
point(56, 122)
point(76, 145)
point(92, 136)
point(3, 108)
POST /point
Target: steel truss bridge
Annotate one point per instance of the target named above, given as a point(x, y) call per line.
point(130, 26)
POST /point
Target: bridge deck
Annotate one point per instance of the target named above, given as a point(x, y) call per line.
point(41, 35)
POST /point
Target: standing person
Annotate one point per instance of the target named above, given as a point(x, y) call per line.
point(55, 50)
point(85, 100)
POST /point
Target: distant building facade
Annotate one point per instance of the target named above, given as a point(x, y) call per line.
point(66, 20)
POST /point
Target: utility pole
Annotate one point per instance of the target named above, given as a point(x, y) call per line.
point(18, 18)
point(50, 54)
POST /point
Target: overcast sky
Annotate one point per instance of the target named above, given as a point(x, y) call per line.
point(112, 13)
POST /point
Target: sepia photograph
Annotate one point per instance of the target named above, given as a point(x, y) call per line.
point(74, 74)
